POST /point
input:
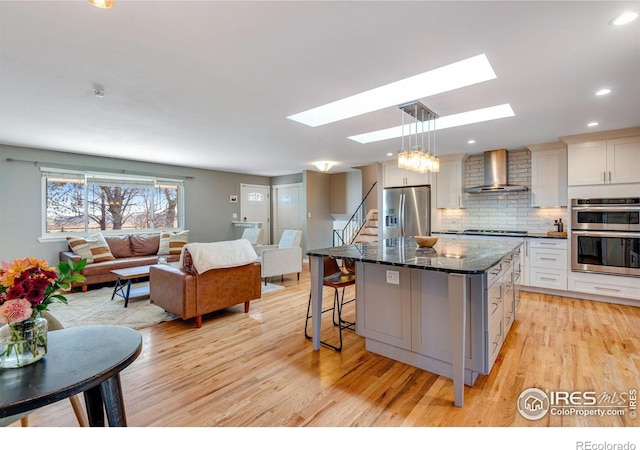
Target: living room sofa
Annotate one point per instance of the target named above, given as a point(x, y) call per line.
point(188, 293)
point(121, 252)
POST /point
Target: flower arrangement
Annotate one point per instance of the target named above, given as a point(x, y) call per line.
point(27, 287)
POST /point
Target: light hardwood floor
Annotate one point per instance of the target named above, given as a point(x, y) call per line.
point(258, 370)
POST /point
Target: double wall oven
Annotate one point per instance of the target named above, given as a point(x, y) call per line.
point(605, 236)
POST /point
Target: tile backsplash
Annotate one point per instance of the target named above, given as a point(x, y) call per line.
point(500, 211)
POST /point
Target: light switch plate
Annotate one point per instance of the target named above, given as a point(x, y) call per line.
point(393, 277)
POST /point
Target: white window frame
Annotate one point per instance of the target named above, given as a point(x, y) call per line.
point(88, 175)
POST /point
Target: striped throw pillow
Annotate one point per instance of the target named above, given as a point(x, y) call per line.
point(93, 248)
point(172, 243)
point(80, 247)
point(100, 249)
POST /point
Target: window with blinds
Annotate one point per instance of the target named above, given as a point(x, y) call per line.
point(83, 202)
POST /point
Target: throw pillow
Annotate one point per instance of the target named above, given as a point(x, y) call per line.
point(80, 247)
point(172, 243)
point(145, 244)
point(93, 248)
point(120, 246)
point(100, 249)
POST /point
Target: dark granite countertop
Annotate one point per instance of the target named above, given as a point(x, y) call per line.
point(529, 234)
point(448, 255)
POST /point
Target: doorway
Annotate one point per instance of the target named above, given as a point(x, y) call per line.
point(288, 209)
point(255, 207)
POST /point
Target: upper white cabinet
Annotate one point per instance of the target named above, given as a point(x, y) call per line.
point(449, 182)
point(548, 175)
point(623, 160)
point(610, 161)
point(394, 177)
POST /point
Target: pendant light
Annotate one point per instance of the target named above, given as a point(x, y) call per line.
point(419, 158)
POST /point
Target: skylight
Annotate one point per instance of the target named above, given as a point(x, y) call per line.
point(443, 122)
point(453, 76)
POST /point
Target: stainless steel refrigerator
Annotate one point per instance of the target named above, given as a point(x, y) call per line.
point(406, 211)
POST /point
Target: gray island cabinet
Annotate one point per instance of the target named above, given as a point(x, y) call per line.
point(445, 309)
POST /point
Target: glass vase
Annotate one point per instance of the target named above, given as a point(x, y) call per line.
point(23, 343)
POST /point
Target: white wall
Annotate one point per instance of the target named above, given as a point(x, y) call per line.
point(319, 228)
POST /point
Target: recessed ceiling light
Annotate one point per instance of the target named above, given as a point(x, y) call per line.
point(442, 122)
point(453, 76)
point(625, 18)
point(105, 4)
point(593, 124)
point(389, 154)
point(603, 92)
point(471, 141)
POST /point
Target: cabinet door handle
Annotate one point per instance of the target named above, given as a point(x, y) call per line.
point(598, 288)
point(609, 176)
point(604, 176)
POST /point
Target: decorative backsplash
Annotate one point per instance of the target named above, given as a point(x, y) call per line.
point(500, 211)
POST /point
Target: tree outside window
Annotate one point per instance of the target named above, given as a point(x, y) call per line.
point(79, 202)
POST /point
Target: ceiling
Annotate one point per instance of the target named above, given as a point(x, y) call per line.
point(210, 84)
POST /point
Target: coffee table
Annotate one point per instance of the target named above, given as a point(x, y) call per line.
point(123, 283)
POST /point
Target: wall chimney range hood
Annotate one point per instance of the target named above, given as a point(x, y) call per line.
point(495, 174)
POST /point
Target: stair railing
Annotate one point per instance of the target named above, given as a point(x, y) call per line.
point(351, 230)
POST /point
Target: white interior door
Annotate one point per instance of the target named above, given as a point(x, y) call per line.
point(288, 209)
point(255, 207)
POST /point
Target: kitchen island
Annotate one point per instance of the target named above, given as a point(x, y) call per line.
point(445, 309)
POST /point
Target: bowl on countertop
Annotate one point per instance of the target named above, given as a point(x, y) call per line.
point(426, 241)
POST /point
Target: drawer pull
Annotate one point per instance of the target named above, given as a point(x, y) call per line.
point(548, 278)
point(548, 259)
point(598, 288)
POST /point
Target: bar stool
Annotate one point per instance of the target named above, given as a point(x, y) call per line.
point(337, 279)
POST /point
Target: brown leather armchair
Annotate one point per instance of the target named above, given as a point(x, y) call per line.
point(189, 294)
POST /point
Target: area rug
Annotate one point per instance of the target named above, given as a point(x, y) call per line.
point(95, 307)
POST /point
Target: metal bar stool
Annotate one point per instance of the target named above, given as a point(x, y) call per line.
point(337, 279)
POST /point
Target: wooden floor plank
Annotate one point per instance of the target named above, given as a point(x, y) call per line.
point(257, 369)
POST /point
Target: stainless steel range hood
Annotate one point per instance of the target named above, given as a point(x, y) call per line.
point(495, 174)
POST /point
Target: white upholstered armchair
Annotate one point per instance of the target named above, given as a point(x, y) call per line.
point(253, 235)
point(284, 258)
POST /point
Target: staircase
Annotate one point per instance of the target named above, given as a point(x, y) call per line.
point(369, 231)
point(359, 228)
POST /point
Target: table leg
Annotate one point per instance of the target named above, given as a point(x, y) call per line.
point(458, 295)
point(95, 406)
point(317, 273)
point(126, 297)
point(113, 401)
point(117, 287)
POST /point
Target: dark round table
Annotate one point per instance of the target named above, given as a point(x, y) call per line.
point(84, 359)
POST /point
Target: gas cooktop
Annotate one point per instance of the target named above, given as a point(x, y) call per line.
point(499, 232)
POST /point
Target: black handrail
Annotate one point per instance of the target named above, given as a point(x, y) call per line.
point(353, 220)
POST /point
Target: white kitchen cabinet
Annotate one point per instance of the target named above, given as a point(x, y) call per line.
point(449, 182)
point(394, 176)
point(547, 263)
point(548, 175)
point(627, 288)
point(611, 161)
point(623, 160)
